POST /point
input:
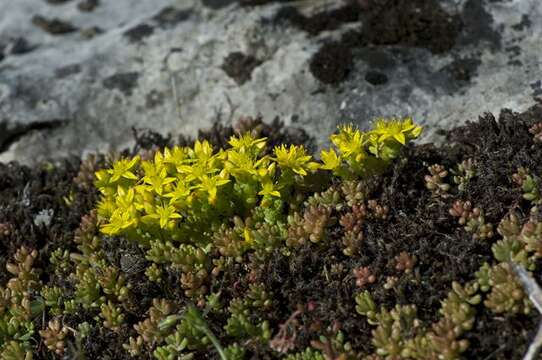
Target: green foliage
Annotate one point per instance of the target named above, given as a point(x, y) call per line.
point(87, 288)
point(52, 297)
point(472, 219)
point(19, 304)
point(308, 354)
point(507, 294)
point(60, 261)
point(465, 171)
point(529, 185)
point(312, 227)
point(235, 352)
point(243, 321)
point(15, 351)
point(53, 336)
point(366, 306)
point(434, 181)
point(114, 283)
point(239, 324)
point(154, 273)
point(399, 334)
point(112, 316)
point(510, 249)
point(191, 333)
point(394, 329)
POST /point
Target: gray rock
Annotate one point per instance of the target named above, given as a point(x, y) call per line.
point(158, 64)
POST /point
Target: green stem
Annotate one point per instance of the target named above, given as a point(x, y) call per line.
point(202, 326)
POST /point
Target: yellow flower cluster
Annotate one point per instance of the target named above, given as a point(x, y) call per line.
point(196, 187)
point(195, 184)
point(362, 153)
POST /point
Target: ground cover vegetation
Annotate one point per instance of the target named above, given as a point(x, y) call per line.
point(243, 245)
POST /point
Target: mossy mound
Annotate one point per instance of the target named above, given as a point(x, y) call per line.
point(410, 263)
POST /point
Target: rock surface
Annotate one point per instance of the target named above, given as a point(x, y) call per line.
point(161, 64)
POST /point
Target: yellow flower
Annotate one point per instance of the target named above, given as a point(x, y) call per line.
point(268, 189)
point(330, 159)
point(401, 131)
point(210, 186)
point(103, 178)
point(240, 163)
point(248, 235)
point(202, 150)
point(119, 221)
point(198, 170)
point(179, 193)
point(165, 214)
point(125, 198)
point(295, 159)
point(106, 207)
point(122, 169)
point(158, 159)
point(247, 143)
point(175, 156)
point(350, 141)
point(266, 168)
point(156, 178)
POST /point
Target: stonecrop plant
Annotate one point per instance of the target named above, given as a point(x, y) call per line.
point(235, 250)
point(361, 154)
point(186, 192)
point(195, 210)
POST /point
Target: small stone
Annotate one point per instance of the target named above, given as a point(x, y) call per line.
point(44, 217)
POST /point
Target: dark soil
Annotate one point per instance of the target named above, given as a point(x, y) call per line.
point(25, 192)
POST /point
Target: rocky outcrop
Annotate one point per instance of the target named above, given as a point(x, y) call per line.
point(76, 76)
